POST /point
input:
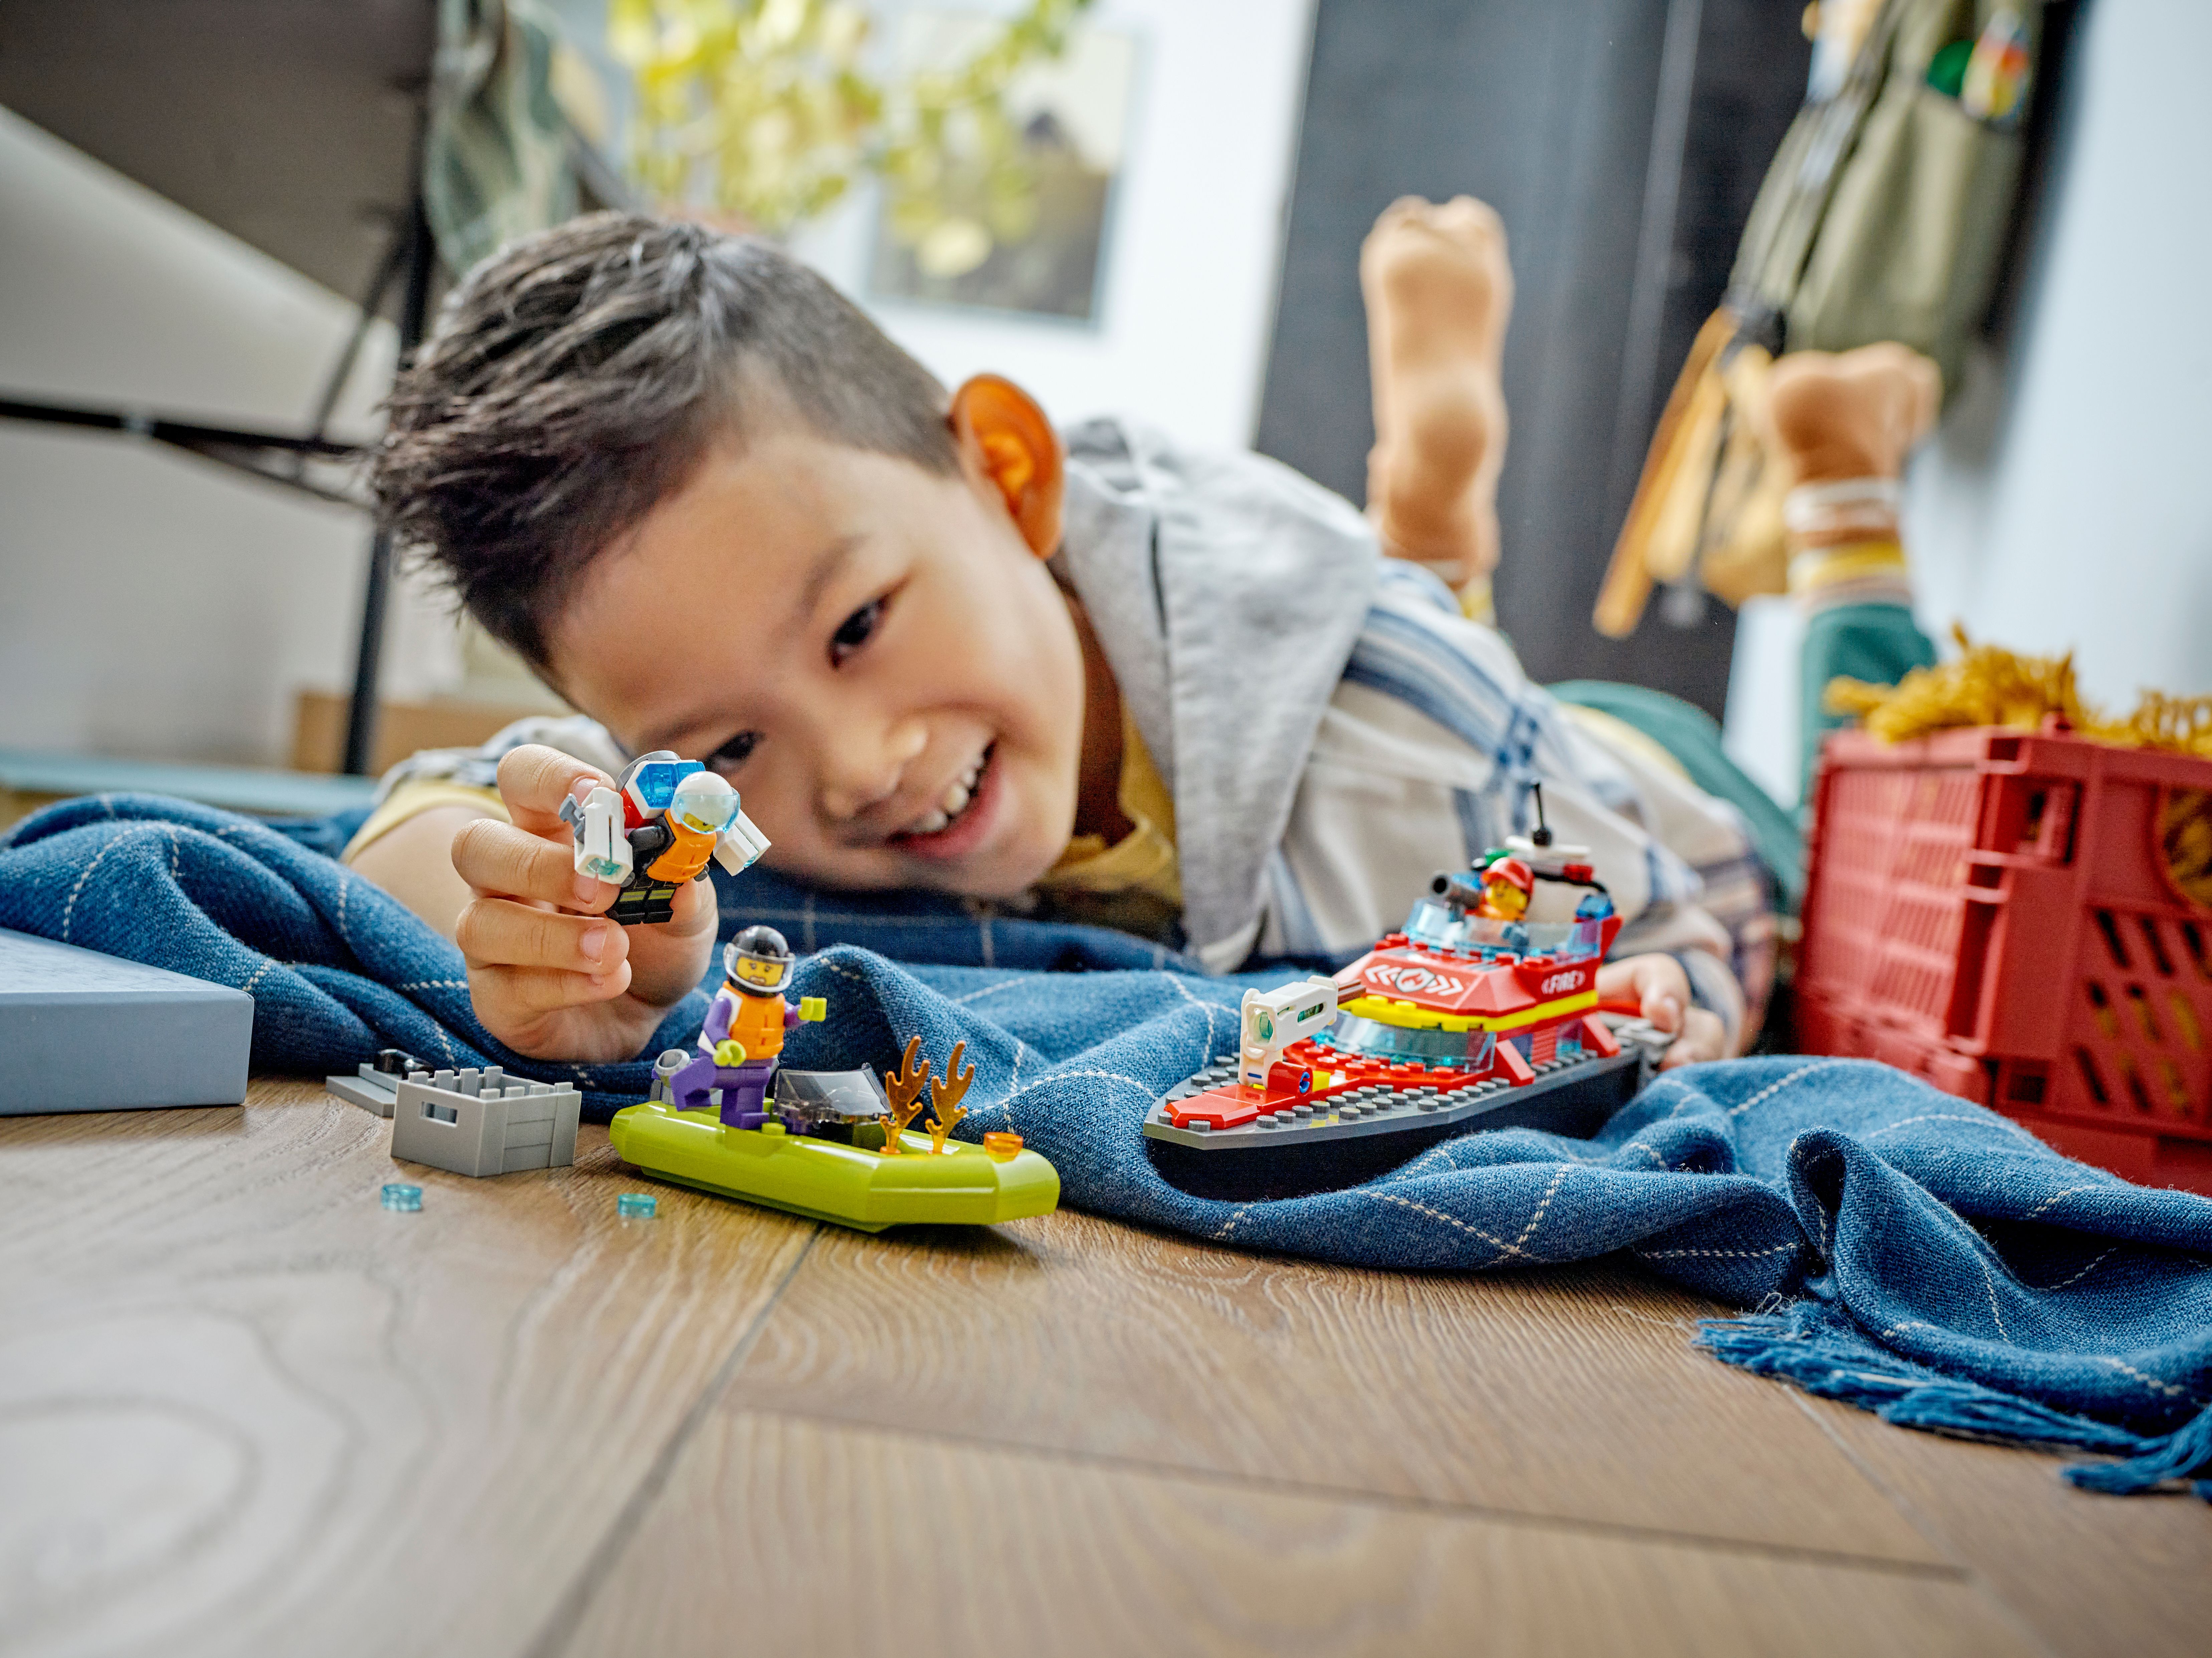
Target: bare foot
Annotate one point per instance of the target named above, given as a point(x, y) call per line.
point(1856, 415)
point(1439, 291)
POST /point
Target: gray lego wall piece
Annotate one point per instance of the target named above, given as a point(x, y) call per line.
point(80, 1032)
point(371, 1090)
point(483, 1122)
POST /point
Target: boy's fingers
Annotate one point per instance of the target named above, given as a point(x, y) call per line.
point(1703, 1037)
point(1657, 985)
point(503, 858)
point(500, 932)
point(502, 994)
point(534, 780)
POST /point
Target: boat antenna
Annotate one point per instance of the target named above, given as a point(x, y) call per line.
point(1542, 835)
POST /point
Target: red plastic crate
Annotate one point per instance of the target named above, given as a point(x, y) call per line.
point(1995, 912)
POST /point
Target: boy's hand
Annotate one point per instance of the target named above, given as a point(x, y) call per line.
point(546, 976)
point(1661, 990)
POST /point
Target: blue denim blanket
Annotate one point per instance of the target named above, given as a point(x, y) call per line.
point(1903, 1251)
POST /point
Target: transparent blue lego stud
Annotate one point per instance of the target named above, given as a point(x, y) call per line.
point(408, 1199)
point(635, 1205)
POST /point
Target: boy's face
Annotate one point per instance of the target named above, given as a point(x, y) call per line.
point(870, 653)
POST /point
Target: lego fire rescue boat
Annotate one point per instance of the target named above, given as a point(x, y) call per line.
point(1468, 1019)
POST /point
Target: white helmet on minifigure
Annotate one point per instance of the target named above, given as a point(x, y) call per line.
point(758, 960)
point(704, 802)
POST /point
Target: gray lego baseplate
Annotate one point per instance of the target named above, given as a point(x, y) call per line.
point(484, 1122)
point(1365, 1113)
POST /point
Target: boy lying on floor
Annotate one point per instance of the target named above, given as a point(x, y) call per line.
point(1112, 680)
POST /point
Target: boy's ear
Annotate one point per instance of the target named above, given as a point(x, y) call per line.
point(1005, 441)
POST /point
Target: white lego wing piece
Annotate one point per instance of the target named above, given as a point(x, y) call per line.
point(738, 848)
point(602, 848)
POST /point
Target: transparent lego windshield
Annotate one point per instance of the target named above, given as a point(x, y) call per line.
point(1433, 921)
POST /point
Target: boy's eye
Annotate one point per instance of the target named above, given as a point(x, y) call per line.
point(854, 632)
point(733, 753)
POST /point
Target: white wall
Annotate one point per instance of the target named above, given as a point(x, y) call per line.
point(2066, 501)
point(1194, 244)
point(151, 604)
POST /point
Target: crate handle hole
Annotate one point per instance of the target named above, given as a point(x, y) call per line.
point(2090, 1077)
point(2158, 953)
point(2114, 945)
point(2192, 938)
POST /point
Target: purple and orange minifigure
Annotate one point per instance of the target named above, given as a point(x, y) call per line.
point(741, 1044)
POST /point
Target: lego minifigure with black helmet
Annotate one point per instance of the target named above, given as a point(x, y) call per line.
point(741, 1044)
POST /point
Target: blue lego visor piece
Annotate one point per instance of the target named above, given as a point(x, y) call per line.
point(656, 780)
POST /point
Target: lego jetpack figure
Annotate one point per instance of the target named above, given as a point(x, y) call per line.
point(655, 829)
point(741, 1044)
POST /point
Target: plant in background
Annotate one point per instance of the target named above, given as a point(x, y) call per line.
point(765, 109)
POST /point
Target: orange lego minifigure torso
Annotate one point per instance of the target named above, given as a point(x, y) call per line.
point(685, 857)
point(758, 1024)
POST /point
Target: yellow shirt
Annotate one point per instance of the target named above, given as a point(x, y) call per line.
point(411, 797)
point(1135, 884)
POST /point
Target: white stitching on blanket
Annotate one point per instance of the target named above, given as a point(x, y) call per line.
point(2084, 1272)
point(2150, 1382)
point(1536, 1220)
point(989, 990)
point(1989, 1278)
point(2055, 1196)
point(1232, 1225)
point(1066, 1076)
point(69, 908)
point(432, 983)
point(1506, 1251)
point(1443, 1151)
point(1205, 1008)
point(1772, 1088)
point(1718, 1255)
point(1960, 1116)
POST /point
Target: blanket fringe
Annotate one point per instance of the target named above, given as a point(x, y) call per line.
point(1854, 1370)
point(1849, 1368)
point(2184, 1454)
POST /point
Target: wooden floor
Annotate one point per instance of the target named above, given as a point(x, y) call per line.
point(244, 1409)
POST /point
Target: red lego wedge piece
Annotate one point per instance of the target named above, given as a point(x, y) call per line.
point(1516, 1069)
point(1598, 1038)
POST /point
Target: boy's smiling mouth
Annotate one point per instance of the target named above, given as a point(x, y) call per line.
point(961, 817)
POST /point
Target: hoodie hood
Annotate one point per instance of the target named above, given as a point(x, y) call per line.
point(1227, 592)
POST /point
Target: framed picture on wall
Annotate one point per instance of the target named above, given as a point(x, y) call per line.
point(1014, 214)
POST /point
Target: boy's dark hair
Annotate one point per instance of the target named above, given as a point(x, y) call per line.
point(577, 376)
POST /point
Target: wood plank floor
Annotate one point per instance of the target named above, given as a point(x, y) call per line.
point(244, 1409)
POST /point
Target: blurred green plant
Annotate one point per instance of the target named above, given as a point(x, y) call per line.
point(765, 109)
